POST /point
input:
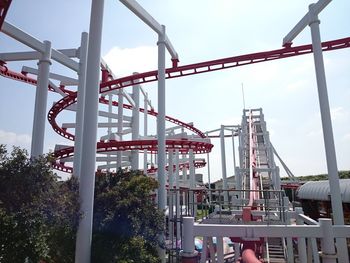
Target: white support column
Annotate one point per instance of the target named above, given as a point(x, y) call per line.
point(234, 152)
point(188, 236)
point(38, 133)
point(301, 241)
point(161, 130)
point(193, 197)
point(220, 249)
point(337, 207)
point(223, 163)
point(192, 169)
point(237, 251)
point(135, 134)
point(120, 126)
point(109, 129)
point(178, 194)
point(327, 242)
point(289, 241)
point(79, 117)
point(145, 128)
point(161, 120)
point(171, 169)
point(209, 181)
point(171, 193)
point(88, 160)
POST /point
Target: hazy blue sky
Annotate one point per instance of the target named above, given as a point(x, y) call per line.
point(202, 30)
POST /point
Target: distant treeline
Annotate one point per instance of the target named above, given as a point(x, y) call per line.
point(319, 177)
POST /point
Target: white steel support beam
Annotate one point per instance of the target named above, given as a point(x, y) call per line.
point(79, 116)
point(209, 179)
point(88, 158)
point(171, 169)
point(139, 11)
point(37, 45)
point(161, 156)
point(304, 22)
point(135, 124)
point(234, 151)
point(336, 201)
point(223, 162)
point(55, 76)
point(120, 125)
point(145, 129)
point(128, 98)
point(177, 186)
point(161, 130)
point(38, 133)
point(33, 55)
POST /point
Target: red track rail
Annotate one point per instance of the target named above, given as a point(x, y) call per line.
point(71, 99)
point(219, 64)
point(150, 145)
point(4, 7)
point(174, 72)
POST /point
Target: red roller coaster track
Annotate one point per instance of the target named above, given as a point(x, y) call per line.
point(4, 7)
point(219, 64)
point(173, 72)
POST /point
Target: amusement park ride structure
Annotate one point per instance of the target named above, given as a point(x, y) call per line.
point(175, 148)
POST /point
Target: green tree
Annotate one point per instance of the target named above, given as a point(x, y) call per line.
point(126, 220)
point(38, 213)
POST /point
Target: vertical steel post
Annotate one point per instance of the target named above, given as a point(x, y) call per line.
point(209, 181)
point(234, 152)
point(337, 207)
point(109, 129)
point(223, 164)
point(161, 119)
point(192, 182)
point(192, 169)
point(171, 195)
point(220, 249)
point(301, 241)
point(38, 133)
point(188, 254)
point(327, 242)
point(171, 169)
point(79, 116)
point(178, 194)
point(88, 157)
point(145, 127)
point(120, 126)
point(161, 128)
point(135, 132)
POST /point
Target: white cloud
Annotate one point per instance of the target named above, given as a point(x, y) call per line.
point(11, 138)
point(296, 86)
point(346, 137)
point(339, 114)
point(125, 61)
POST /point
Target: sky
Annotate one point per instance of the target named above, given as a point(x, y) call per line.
point(201, 30)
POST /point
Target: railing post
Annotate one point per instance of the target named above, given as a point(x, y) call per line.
point(301, 241)
point(237, 251)
point(315, 255)
point(188, 254)
point(290, 254)
point(327, 242)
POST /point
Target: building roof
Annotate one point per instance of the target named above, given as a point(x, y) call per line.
point(320, 190)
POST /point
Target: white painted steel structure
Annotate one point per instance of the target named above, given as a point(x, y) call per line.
point(88, 149)
point(84, 160)
point(311, 19)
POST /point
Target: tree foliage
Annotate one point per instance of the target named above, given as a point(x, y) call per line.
point(38, 213)
point(126, 220)
point(319, 177)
